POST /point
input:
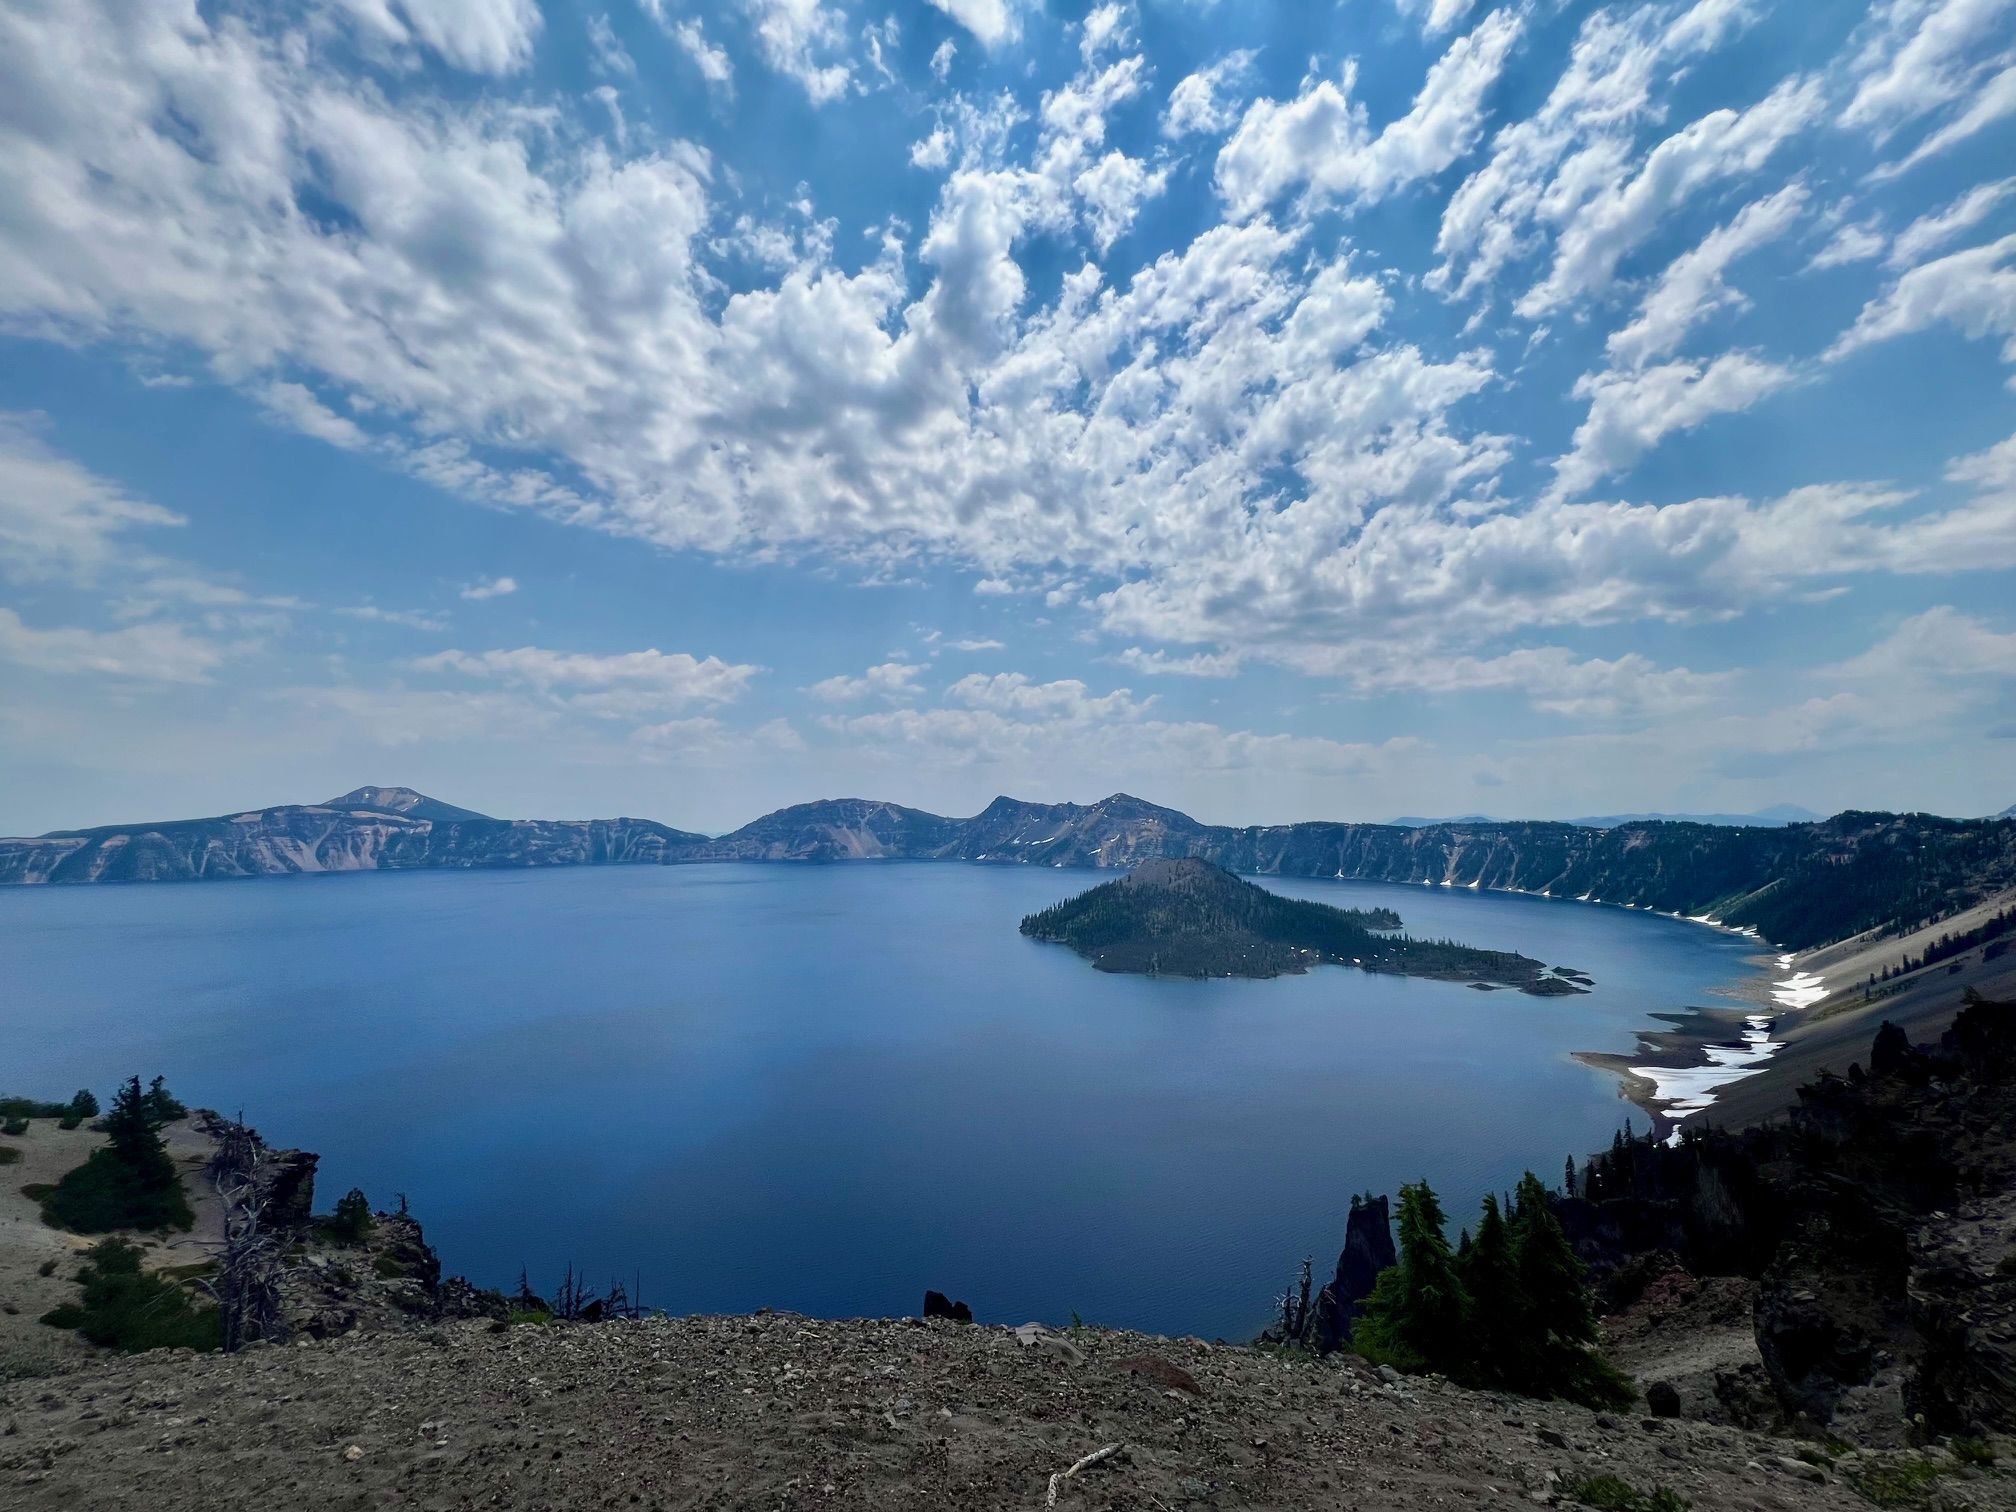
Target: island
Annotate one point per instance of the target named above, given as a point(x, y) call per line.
point(1186, 917)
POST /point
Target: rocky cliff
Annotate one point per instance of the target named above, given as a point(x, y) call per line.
point(1798, 886)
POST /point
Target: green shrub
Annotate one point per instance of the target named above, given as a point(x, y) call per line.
point(69, 1121)
point(46, 1268)
point(1895, 1482)
point(1614, 1495)
point(162, 1106)
point(83, 1105)
point(128, 1183)
point(15, 1126)
point(1972, 1451)
point(9, 1154)
point(127, 1308)
point(388, 1269)
point(352, 1222)
point(527, 1316)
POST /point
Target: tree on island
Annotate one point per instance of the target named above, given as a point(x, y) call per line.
point(130, 1181)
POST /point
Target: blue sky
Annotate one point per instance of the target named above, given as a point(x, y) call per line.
point(1280, 411)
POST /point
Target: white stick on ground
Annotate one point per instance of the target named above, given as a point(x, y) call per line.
point(1097, 1456)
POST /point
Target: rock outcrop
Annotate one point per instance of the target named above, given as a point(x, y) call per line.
point(1879, 1224)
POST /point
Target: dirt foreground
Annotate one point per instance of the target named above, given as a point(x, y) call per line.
point(776, 1411)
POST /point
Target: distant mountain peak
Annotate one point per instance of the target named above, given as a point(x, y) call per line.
point(401, 800)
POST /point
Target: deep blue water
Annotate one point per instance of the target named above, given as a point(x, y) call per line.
point(826, 1088)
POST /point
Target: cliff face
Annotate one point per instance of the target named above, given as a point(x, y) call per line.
point(1802, 885)
point(313, 838)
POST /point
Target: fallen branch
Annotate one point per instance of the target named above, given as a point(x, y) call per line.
point(1096, 1457)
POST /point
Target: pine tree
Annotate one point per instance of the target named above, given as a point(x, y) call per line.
point(1500, 1319)
point(1418, 1314)
point(1562, 1323)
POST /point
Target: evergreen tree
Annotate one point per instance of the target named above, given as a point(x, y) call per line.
point(1562, 1323)
point(1500, 1319)
point(1418, 1314)
point(130, 1183)
point(353, 1217)
point(162, 1107)
point(84, 1104)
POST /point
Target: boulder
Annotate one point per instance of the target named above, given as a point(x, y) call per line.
point(938, 1305)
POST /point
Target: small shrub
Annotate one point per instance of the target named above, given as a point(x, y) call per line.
point(35, 1191)
point(127, 1308)
point(69, 1121)
point(14, 1126)
point(530, 1316)
point(84, 1105)
point(1895, 1482)
point(1613, 1495)
point(388, 1269)
point(9, 1155)
point(46, 1268)
point(1972, 1451)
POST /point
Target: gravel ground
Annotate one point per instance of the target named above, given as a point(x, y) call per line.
point(777, 1411)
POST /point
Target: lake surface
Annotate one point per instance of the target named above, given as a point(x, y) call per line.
point(825, 1089)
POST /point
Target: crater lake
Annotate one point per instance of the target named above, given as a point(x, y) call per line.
point(826, 1088)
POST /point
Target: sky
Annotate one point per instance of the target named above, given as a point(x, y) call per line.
point(1276, 410)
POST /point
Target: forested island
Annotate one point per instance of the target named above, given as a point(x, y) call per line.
point(1186, 917)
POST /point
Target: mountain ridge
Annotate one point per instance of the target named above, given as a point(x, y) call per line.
point(1797, 885)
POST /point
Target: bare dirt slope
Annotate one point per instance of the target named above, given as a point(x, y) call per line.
point(784, 1412)
point(27, 1347)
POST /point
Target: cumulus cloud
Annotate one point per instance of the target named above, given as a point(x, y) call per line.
point(1608, 224)
point(892, 680)
point(1974, 290)
point(1692, 288)
point(489, 588)
point(1208, 100)
point(803, 40)
point(481, 36)
point(1322, 142)
point(992, 21)
point(1920, 55)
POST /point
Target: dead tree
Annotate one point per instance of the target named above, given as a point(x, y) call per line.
point(1293, 1305)
point(250, 1262)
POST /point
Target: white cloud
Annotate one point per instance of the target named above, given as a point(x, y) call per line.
point(1921, 55)
point(1436, 15)
point(712, 61)
point(1209, 100)
point(411, 619)
point(1543, 168)
point(1851, 244)
point(611, 56)
point(891, 680)
point(1322, 138)
point(706, 741)
point(489, 588)
point(934, 151)
point(941, 60)
point(1692, 287)
point(628, 684)
point(1017, 694)
point(1996, 101)
point(481, 36)
point(1934, 230)
point(1974, 290)
point(156, 652)
point(59, 521)
point(992, 21)
point(799, 39)
point(1605, 226)
point(1941, 642)
point(1629, 412)
point(1198, 664)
